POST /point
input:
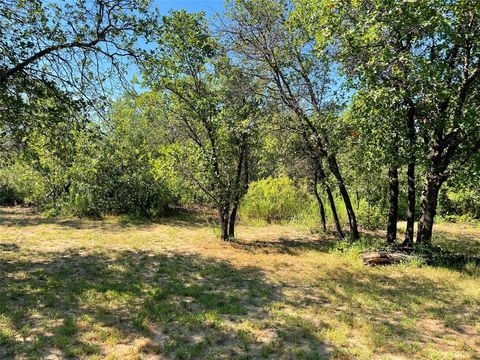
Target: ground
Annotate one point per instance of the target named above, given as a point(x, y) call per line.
point(115, 290)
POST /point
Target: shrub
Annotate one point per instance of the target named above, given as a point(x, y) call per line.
point(370, 216)
point(20, 184)
point(274, 199)
point(8, 196)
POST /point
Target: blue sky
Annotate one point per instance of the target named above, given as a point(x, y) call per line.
point(209, 6)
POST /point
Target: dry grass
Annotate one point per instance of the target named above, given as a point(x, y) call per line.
point(112, 290)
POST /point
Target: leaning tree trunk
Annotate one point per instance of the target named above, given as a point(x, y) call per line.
point(331, 201)
point(319, 202)
point(430, 192)
point(393, 205)
point(352, 221)
point(410, 204)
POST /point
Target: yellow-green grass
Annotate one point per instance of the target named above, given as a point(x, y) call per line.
point(112, 290)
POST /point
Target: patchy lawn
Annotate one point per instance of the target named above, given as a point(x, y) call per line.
point(108, 290)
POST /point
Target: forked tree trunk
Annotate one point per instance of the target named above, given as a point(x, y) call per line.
point(430, 192)
point(331, 201)
point(410, 204)
point(392, 205)
point(352, 221)
point(319, 202)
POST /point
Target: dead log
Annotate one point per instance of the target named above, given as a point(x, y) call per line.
point(383, 257)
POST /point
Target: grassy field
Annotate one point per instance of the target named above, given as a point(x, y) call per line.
point(112, 290)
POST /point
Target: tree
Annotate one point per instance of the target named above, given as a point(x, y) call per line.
point(214, 111)
point(279, 53)
point(77, 48)
point(380, 140)
point(69, 43)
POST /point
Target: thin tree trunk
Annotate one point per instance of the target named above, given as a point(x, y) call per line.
point(331, 201)
point(319, 202)
point(236, 200)
point(338, 227)
point(428, 208)
point(352, 221)
point(411, 134)
point(392, 205)
point(410, 204)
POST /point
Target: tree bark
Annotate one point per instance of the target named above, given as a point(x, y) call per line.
point(241, 158)
point(392, 204)
point(430, 192)
point(224, 224)
point(331, 201)
point(319, 202)
point(352, 221)
point(231, 223)
point(410, 204)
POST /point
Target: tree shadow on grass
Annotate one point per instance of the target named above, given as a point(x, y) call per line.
point(25, 217)
point(79, 304)
point(397, 314)
point(9, 247)
point(287, 245)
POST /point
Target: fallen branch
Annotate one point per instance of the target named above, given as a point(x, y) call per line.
point(383, 257)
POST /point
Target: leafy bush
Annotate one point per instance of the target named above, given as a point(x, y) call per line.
point(461, 204)
point(89, 171)
point(274, 199)
point(370, 216)
point(20, 184)
point(9, 197)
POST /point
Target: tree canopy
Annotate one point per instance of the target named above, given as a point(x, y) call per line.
point(367, 111)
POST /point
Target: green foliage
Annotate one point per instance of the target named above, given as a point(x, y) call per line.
point(88, 171)
point(285, 87)
point(460, 197)
point(21, 184)
point(124, 178)
point(274, 199)
point(371, 216)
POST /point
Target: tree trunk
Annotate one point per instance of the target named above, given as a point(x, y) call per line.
point(392, 205)
point(233, 215)
point(352, 221)
point(410, 204)
point(319, 202)
point(411, 134)
point(224, 224)
point(331, 201)
point(430, 192)
point(338, 227)
point(232, 220)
